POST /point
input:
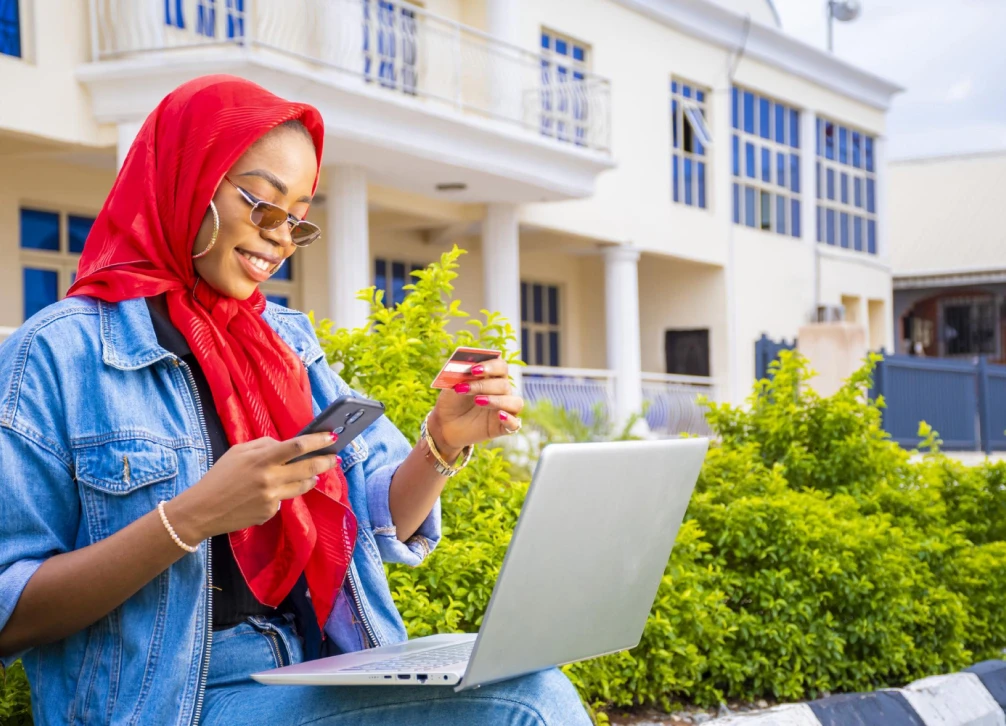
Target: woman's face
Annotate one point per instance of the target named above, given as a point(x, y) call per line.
point(280, 168)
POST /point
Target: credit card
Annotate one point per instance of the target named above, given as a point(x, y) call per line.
point(456, 369)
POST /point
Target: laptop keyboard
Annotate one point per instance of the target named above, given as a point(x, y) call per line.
point(422, 660)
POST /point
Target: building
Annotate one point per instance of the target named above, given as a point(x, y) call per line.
point(648, 186)
point(948, 255)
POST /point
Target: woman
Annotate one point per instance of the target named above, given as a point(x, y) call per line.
point(157, 548)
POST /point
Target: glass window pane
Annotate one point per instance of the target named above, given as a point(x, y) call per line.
point(829, 140)
point(380, 277)
point(80, 227)
point(39, 230)
point(766, 211)
point(794, 210)
point(675, 182)
point(869, 153)
point(737, 156)
point(871, 237)
point(561, 47)
point(702, 183)
point(749, 112)
point(871, 201)
point(525, 352)
point(766, 165)
point(857, 196)
point(523, 303)
point(686, 90)
point(553, 305)
point(780, 214)
point(579, 53)
point(829, 227)
point(844, 186)
point(843, 145)
point(794, 128)
point(279, 300)
point(735, 107)
point(794, 173)
point(537, 297)
point(830, 185)
point(749, 206)
point(700, 96)
point(553, 348)
point(858, 236)
point(10, 29)
point(539, 348)
point(397, 282)
point(817, 179)
point(749, 159)
point(675, 141)
point(819, 132)
point(737, 203)
point(545, 40)
point(780, 169)
point(688, 181)
point(780, 123)
point(857, 149)
point(764, 124)
point(820, 224)
point(844, 230)
point(41, 288)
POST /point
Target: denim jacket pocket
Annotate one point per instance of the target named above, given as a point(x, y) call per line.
point(122, 480)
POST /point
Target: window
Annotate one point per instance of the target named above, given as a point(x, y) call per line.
point(766, 163)
point(846, 188)
point(687, 352)
point(690, 141)
point(392, 276)
point(393, 36)
point(540, 324)
point(51, 243)
point(10, 28)
point(206, 17)
point(970, 326)
point(563, 88)
point(173, 16)
point(282, 287)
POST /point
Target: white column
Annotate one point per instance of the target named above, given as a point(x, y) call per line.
point(883, 236)
point(721, 196)
point(621, 305)
point(501, 266)
point(127, 132)
point(503, 21)
point(808, 204)
point(348, 245)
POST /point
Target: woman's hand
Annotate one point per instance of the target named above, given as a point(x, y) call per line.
point(481, 408)
point(246, 486)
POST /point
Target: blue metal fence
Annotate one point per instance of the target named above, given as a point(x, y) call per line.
point(766, 351)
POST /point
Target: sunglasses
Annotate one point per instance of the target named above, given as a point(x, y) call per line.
point(268, 216)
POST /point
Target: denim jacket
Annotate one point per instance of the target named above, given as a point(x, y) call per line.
point(97, 424)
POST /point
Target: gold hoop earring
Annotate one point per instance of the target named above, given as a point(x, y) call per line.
point(216, 231)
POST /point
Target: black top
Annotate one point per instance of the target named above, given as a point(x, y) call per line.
point(233, 601)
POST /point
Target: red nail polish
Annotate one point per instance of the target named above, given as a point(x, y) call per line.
point(335, 437)
point(338, 461)
point(478, 370)
point(503, 416)
point(482, 400)
point(462, 388)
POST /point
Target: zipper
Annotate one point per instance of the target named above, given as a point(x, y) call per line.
point(369, 639)
point(205, 668)
point(274, 640)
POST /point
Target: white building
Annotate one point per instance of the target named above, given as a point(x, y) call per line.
point(634, 179)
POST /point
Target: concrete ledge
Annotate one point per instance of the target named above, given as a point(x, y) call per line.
point(865, 709)
point(958, 699)
point(992, 674)
point(791, 715)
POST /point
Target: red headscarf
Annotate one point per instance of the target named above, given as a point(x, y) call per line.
point(141, 246)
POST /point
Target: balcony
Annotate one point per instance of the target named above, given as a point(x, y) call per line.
point(672, 401)
point(389, 77)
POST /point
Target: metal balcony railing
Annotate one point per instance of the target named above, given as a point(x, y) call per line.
point(393, 46)
point(673, 403)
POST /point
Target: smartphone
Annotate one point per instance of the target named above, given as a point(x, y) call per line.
point(346, 416)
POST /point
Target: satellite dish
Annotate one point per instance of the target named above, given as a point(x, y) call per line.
point(845, 10)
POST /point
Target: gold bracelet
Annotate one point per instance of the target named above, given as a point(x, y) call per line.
point(442, 467)
point(171, 530)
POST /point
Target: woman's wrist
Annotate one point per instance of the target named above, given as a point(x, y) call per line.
point(189, 522)
point(448, 453)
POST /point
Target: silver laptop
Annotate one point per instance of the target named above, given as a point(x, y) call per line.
point(578, 580)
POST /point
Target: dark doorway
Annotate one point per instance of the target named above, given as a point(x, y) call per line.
point(687, 352)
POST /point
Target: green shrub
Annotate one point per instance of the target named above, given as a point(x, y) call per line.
point(15, 699)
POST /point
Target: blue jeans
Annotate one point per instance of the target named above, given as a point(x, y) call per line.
point(232, 698)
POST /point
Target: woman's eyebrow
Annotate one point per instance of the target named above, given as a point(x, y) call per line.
point(275, 181)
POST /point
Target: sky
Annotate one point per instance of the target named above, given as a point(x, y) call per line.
point(949, 55)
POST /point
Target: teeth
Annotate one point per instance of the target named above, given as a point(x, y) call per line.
point(256, 261)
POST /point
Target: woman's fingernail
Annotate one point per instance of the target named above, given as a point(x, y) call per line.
point(462, 388)
point(317, 480)
point(478, 370)
point(335, 437)
point(503, 415)
point(482, 400)
point(338, 461)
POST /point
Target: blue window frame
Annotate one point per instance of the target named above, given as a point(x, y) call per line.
point(690, 142)
point(235, 18)
point(10, 28)
point(846, 187)
point(173, 14)
point(766, 163)
point(391, 277)
point(50, 244)
point(541, 327)
point(206, 18)
point(41, 289)
point(564, 104)
point(390, 51)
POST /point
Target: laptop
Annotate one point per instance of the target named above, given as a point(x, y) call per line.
point(578, 579)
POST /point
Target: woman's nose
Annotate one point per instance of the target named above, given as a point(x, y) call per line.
point(279, 236)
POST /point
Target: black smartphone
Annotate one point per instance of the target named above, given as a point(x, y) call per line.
point(346, 416)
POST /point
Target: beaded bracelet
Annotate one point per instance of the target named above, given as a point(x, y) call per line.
point(171, 530)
